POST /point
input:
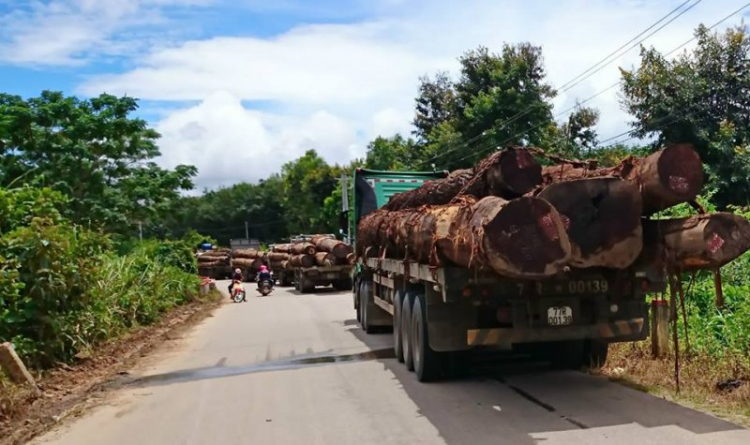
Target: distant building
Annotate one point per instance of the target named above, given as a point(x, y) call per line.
point(244, 243)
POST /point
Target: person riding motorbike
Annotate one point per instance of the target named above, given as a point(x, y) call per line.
point(264, 274)
point(237, 276)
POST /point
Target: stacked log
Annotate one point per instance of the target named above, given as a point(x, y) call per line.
point(522, 238)
point(509, 173)
point(511, 216)
point(281, 248)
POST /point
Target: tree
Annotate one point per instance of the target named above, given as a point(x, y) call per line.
point(308, 181)
point(700, 97)
point(435, 104)
point(91, 151)
point(504, 95)
point(394, 153)
point(574, 138)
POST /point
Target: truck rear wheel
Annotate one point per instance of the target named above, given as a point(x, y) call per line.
point(364, 304)
point(427, 363)
point(405, 326)
point(398, 346)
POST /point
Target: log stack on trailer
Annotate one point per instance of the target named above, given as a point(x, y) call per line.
point(214, 263)
point(320, 260)
point(512, 253)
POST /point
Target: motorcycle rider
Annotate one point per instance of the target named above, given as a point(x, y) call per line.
point(264, 274)
point(237, 276)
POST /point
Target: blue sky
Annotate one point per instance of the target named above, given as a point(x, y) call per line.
point(238, 87)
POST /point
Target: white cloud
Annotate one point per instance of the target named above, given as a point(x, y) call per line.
point(339, 85)
point(232, 144)
point(71, 32)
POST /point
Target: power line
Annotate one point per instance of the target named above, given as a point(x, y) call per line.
point(745, 6)
point(578, 79)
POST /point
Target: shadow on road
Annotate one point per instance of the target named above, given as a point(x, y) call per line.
point(505, 398)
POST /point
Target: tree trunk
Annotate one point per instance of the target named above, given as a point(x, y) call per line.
point(278, 257)
point(302, 261)
point(245, 253)
point(325, 259)
point(666, 178)
point(508, 173)
point(282, 248)
point(303, 249)
point(602, 219)
point(521, 238)
point(331, 245)
point(700, 241)
point(245, 263)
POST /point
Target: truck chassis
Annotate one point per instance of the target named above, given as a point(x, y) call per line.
point(437, 312)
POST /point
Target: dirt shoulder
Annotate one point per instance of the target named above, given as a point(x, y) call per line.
point(24, 413)
point(718, 387)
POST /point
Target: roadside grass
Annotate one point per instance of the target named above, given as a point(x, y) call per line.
point(702, 378)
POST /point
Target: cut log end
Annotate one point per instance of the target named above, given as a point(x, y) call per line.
point(519, 173)
point(599, 214)
point(529, 234)
point(681, 171)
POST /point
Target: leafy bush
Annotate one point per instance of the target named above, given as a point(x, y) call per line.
point(62, 289)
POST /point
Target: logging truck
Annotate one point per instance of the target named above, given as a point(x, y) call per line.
point(315, 267)
point(438, 310)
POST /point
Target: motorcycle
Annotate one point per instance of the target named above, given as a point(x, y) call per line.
point(265, 287)
point(238, 292)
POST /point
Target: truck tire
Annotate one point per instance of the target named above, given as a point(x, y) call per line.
point(398, 346)
point(405, 327)
point(364, 304)
point(427, 363)
point(343, 284)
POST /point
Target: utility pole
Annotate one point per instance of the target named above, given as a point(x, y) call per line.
point(140, 230)
point(247, 231)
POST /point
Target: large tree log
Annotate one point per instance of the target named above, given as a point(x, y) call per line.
point(282, 248)
point(603, 220)
point(522, 238)
point(245, 263)
point(666, 178)
point(508, 173)
point(325, 259)
point(278, 257)
point(302, 261)
point(700, 241)
point(245, 253)
point(303, 249)
point(332, 245)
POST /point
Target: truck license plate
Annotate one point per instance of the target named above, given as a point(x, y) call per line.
point(559, 316)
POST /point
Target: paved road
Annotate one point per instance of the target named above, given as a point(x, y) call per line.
point(296, 369)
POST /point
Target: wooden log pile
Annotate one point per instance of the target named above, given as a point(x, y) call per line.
point(512, 216)
point(321, 251)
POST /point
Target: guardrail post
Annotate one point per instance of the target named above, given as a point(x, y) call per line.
point(13, 366)
point(659, 328)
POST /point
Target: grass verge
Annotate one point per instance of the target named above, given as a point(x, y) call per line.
point(719, 386)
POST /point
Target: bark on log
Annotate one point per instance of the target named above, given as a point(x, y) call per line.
point(282, 248)
point(325, 259)
point(701, 241)
point(334, 246)
point(211, 264)
point(285, 265)
point(666, 178)
point(276, 265)
point(303, 249)
point(351, 259)
point(278, 257)
point(522, 238)
point(602, 219)
point(245, 253)
point(302, 261)
point(508, 173)
point(245, 263)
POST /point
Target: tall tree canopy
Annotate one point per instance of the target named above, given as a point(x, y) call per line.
point(701, 97)
point(92, 151)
